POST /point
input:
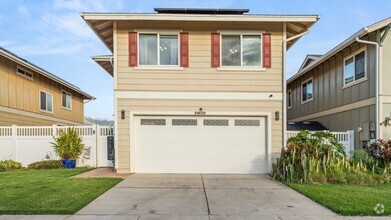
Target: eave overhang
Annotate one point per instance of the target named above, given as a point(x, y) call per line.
point(106, 62)
point(102, 23)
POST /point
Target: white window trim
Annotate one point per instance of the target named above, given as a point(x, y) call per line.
point(355, 82)
point(19, 74)
point(47, 93)
point(289, 95)
point(158, 66)
point(68, 93)
point(301, 91)
point(241, 67)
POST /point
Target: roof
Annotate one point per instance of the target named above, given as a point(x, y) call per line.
point(362, 32)
point(102, 23)
point(201, 11)
point(305, 125)
point(8, 54)
point(106, 62)
point(309, 59)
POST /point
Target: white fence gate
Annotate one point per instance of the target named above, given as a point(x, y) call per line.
point(27, 144)
point(345, 138)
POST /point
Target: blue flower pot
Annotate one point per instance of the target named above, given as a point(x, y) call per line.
point(69, 163)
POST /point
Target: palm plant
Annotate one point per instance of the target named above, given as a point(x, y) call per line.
point(68, 145)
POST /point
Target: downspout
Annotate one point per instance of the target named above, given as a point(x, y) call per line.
point(284, 108)
point(377, 83)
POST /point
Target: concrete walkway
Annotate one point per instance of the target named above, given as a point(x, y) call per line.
point(200, 197)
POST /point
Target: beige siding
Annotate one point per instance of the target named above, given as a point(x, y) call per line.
point(8, 119)
point(385, 88)
point(21, 93)
point(198, 77)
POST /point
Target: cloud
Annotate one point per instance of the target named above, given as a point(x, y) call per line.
point(23, 10)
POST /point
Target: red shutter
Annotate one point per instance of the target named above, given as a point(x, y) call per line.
point(267, 51)
point(133, 49)
point(215, 49)
point(184, 49)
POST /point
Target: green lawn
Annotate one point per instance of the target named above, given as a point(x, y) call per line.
point(49, 191)
point(348, 199)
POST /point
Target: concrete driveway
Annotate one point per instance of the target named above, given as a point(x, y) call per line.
point(196, 196)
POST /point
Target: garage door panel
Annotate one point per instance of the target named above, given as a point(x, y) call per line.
point(200, 145)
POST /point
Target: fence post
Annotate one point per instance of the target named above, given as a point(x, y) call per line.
point(97, 147)
point(54, 130)
point(351, 140)
point(14, 131)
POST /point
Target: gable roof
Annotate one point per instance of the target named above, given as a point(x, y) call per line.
point(386, 23)
point(9, 55)
point(102, 23)
point(309, 59)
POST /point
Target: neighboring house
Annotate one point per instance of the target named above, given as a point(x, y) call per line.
point(339, 88)
point(197, 90)
point(29, 95)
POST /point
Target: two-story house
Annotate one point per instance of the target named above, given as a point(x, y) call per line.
point(197, 90)
point(30, 95)
point(348, 88)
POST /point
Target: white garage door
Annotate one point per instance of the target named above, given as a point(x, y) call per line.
point(200, 145)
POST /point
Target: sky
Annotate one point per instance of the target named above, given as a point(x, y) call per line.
point(52, 35)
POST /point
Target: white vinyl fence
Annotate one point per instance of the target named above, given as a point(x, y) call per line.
point(345, 138)
point(27, 144)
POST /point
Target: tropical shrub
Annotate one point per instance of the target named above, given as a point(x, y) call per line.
point(381, 152)
point(46, 164)
point(68, 146)
point(318, 157)
point(7, 165)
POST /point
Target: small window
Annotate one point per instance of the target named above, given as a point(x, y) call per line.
point(247, 122)
point(158, 49)
point(215, 122)
point(46, 100)
point(66, 100)
point(184, 122)
point(241, 50)
point(289, 99)
point(153, 121)
point(307, 91)
point(24, 72)
point(354, 68)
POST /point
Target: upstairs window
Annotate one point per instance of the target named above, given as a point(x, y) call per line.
point(289, 99)
point(354, 69)
point(24, 73)
point(66, 100)
point(241, 50)
point(158, 49)
point(307, 91)
point(46, 102)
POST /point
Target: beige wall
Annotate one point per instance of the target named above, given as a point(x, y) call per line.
point(20, 93)
point(385, 91)
point(198, 77)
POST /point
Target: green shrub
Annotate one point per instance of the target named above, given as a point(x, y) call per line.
point(68, 145)
point(46, 164)
point(7, 165)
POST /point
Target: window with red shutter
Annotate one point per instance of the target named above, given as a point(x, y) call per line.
point(184, 44)
point(215, 49)
point(267, 56)
point(133, 49)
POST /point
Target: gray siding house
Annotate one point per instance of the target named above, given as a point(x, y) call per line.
point(348, 88)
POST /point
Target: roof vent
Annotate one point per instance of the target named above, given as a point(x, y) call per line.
point(219, 11)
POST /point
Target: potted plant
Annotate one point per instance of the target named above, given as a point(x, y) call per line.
point(68, 146)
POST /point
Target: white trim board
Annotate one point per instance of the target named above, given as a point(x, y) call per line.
point(199, 95)
point(268, 116)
